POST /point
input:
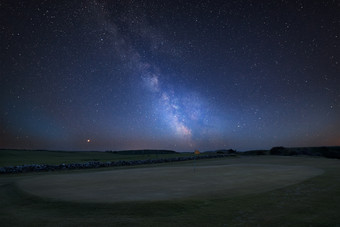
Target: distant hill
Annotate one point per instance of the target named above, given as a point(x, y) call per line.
point(254, 152)
point(221, 151)
point(328, 152)
point(142, 152)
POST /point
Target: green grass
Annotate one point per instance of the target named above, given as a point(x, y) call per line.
point(314, 202)
point(21, 157)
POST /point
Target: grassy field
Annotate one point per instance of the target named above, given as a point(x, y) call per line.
point(308, 200)
point(21, 157)
point(165, 183)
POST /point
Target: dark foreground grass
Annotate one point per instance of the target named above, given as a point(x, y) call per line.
point(314, 202)
point(22, 157)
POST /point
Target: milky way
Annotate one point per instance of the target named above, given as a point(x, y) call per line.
point(180, 75)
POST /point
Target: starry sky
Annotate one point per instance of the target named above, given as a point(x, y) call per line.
point(179, 75)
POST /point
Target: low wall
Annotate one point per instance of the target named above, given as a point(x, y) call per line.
point(89, 165)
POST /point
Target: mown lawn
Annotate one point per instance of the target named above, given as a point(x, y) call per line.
point(313, 202)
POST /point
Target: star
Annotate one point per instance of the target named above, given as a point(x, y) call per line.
point(208, 75)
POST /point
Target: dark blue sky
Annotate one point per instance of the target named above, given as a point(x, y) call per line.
point(178, 75)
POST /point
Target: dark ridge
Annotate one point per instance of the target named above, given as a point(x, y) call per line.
point(221, 151)
point(95, 164)
point(328, 152)
point(127, 152)
point(141, 152)
point(45, 150)
point(255, 152)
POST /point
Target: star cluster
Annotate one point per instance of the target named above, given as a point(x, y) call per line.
point(180, 75)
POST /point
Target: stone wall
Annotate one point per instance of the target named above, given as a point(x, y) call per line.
point(89, 165)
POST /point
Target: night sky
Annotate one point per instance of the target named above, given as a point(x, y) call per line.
point(179, 75)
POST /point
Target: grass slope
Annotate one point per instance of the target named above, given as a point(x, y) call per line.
point(22, 157)
point(314, 202)
point(165, 183)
